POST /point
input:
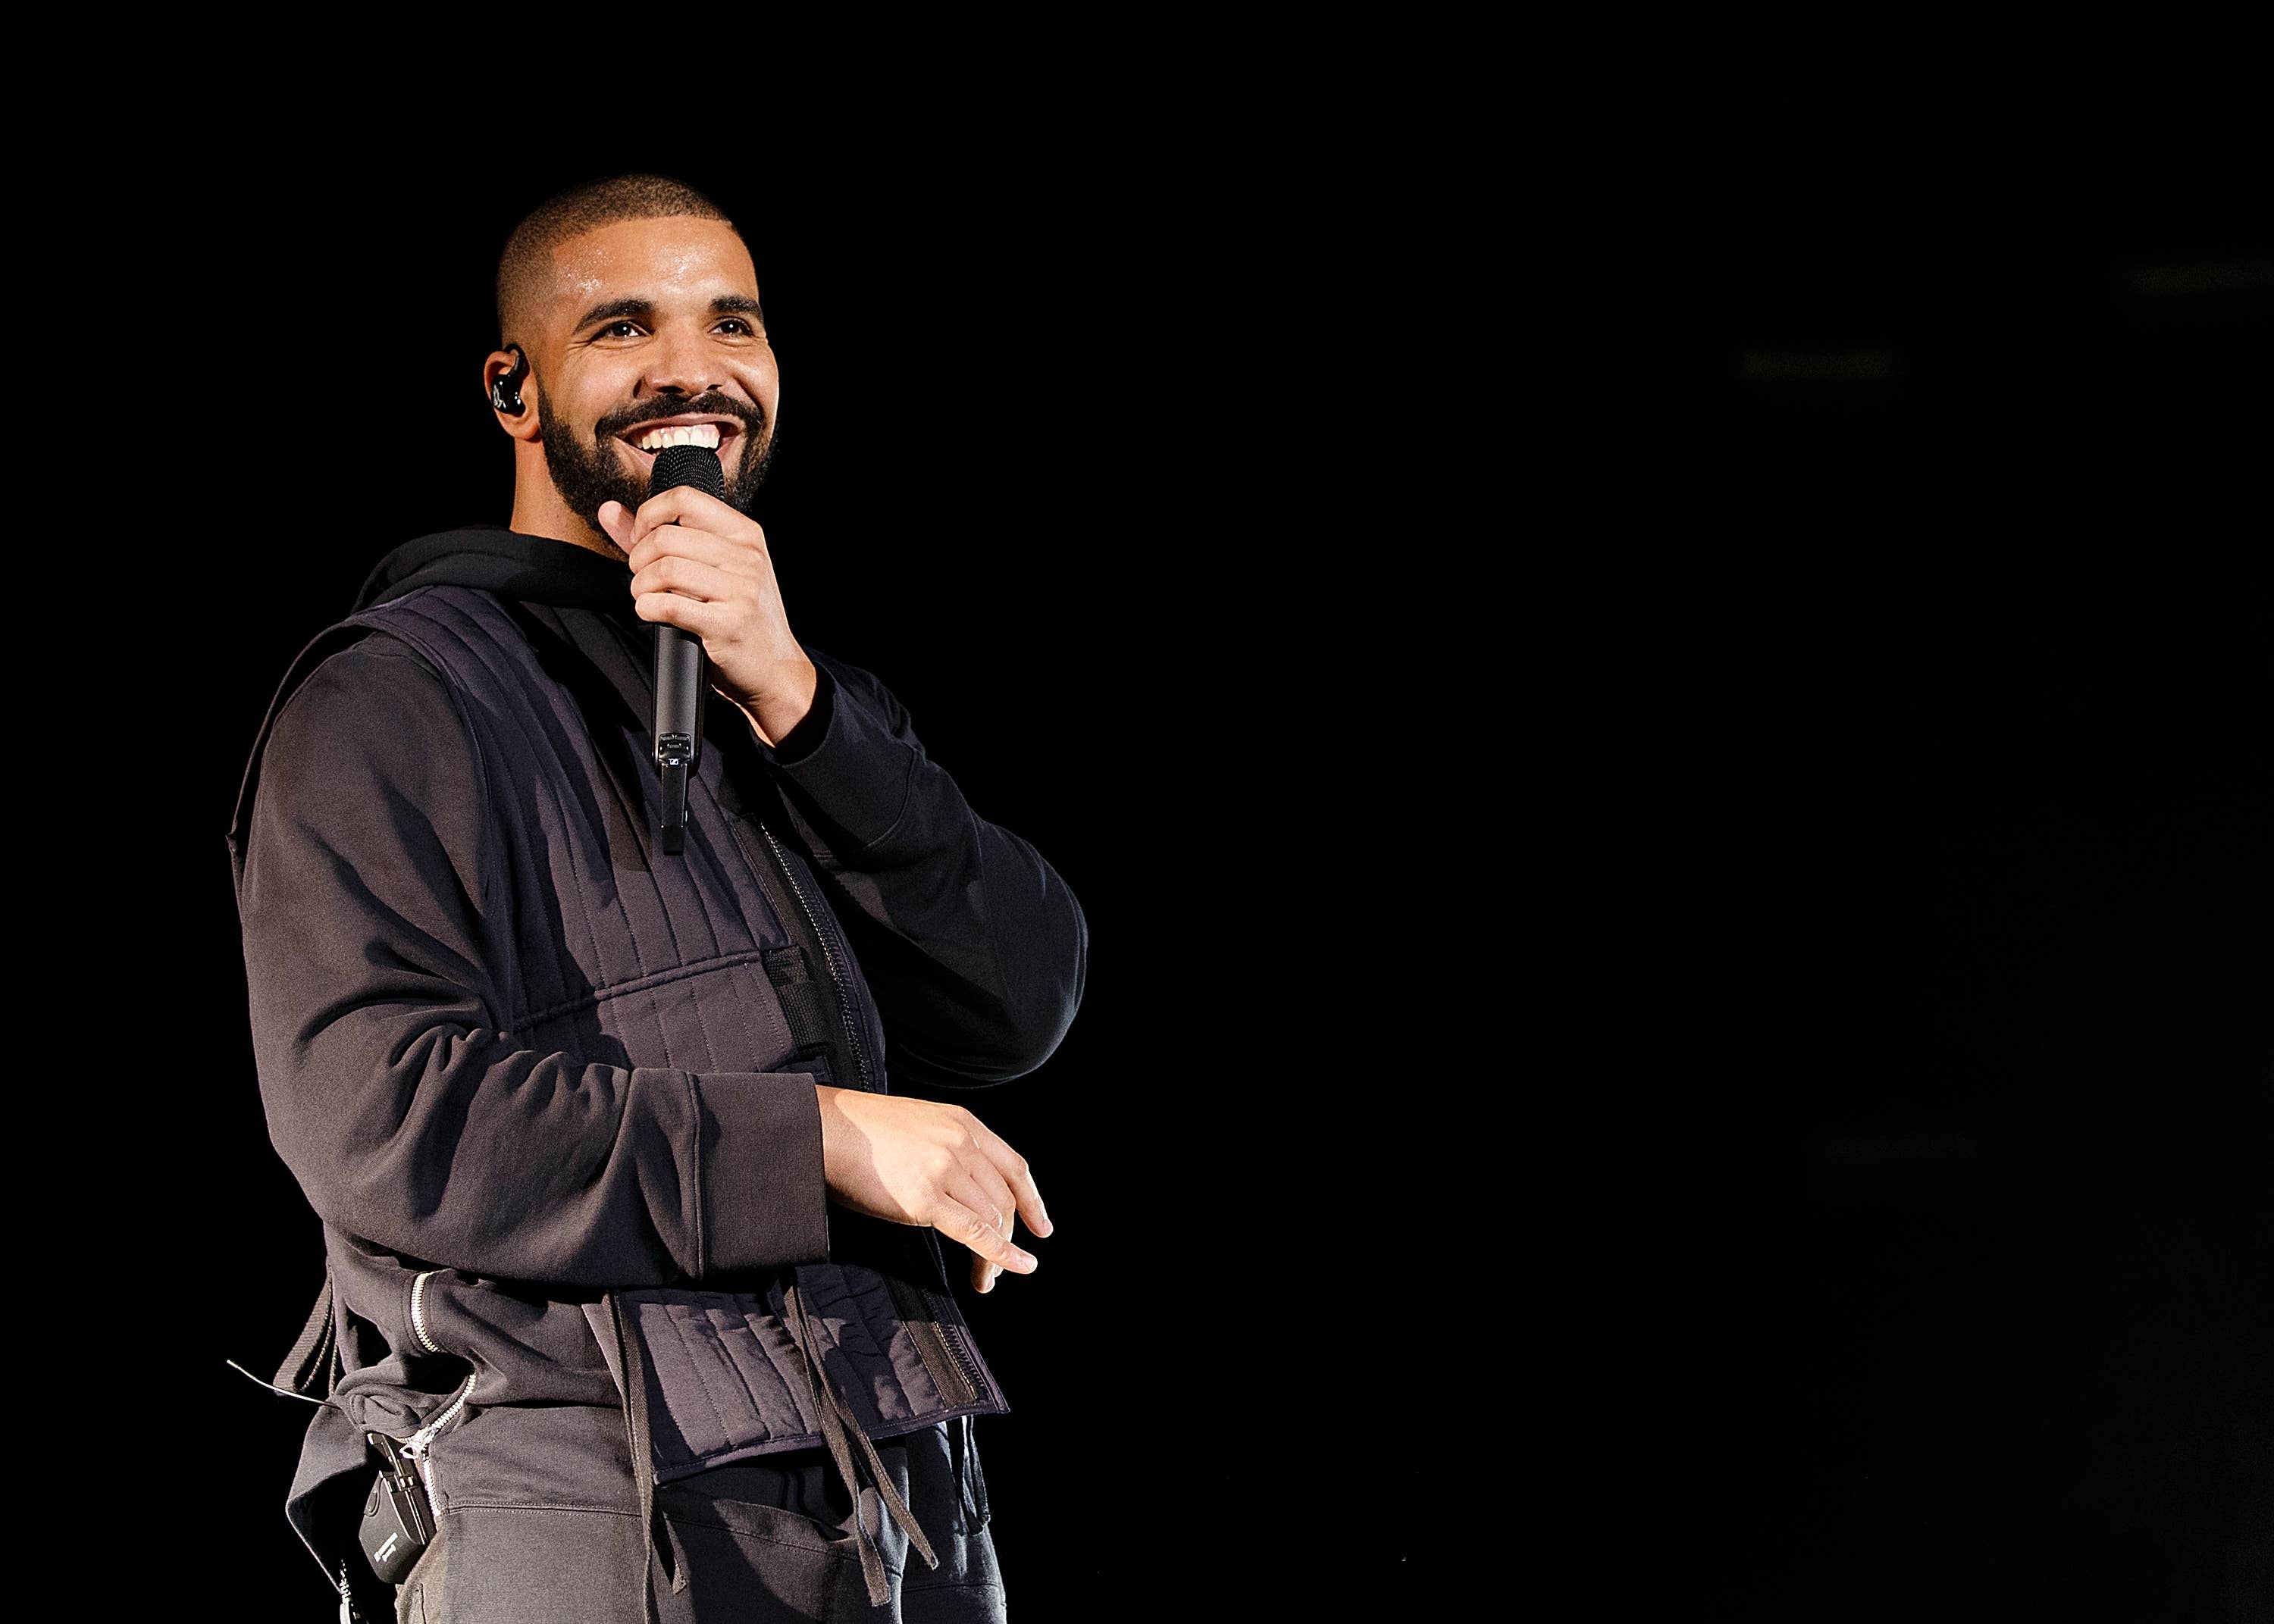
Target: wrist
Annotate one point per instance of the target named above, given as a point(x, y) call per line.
point(777, 713)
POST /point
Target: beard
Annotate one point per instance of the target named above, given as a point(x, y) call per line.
point(587, 473)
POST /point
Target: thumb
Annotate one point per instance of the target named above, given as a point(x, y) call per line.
point(616, 519)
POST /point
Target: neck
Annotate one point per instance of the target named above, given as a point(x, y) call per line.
point(538, 510)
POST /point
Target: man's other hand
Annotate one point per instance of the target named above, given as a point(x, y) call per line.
point(919, 1161)
point(699, 565)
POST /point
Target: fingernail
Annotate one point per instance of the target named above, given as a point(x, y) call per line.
point(1029, 1258)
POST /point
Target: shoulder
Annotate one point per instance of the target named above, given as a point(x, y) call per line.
point(369, 757)
point(377, 704)
point(368, 664)
point(447, 620)
point(368, 717)
point(419, 647)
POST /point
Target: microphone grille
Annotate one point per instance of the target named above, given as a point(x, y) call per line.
point(695, 465)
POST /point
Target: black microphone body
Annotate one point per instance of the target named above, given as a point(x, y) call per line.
point(679, 663)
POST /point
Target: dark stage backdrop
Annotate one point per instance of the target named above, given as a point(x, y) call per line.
point(1940, 934)
point(1699, 783)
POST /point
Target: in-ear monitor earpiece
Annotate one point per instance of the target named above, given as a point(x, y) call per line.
point(504, 393)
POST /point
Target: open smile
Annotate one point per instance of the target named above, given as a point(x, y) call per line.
point(707, 429)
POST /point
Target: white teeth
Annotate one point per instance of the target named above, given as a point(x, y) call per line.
point(703, 434)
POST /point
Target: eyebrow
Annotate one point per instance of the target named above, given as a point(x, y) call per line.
point(608, 310)
point(613, 310)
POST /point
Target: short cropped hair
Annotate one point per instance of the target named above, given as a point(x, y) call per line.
point(526, 264)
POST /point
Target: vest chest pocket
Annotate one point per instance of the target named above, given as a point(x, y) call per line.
point(727, 1014)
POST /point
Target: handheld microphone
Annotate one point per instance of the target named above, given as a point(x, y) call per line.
point(679, 660)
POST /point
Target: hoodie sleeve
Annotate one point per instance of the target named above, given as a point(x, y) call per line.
point(373, 912)
point(974, 947)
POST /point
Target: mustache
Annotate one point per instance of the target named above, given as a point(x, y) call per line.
point(753, 416)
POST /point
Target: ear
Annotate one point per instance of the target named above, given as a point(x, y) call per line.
point(497, 367)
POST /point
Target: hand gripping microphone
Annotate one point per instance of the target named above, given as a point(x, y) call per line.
point(679, 656)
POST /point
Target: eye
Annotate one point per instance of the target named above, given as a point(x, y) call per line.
point(735, 326)
point(619, 329)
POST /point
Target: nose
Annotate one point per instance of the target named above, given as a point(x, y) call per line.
point(679, 362)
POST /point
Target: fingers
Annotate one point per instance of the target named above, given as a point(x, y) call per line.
point(990, 1209)
point(675, 569)
point(653, 545)
point(692, 577)
point(686, 592)
point(697, 533)
point(616, 520)
point(685, 508)
point(989, 1249)
point(997, 1188)
point(1011, 1167)
point(711, 622)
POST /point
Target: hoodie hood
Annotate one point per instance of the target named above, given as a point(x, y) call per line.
point(533, 570)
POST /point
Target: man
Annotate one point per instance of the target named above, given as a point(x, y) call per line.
point(636, 1297)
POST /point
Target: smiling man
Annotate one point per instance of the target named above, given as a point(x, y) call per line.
point(636, 1304)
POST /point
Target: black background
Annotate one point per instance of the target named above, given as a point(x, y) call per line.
point(1936, 1063)
point(1673, 817)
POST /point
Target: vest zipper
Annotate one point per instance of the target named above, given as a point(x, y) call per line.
point(952, 1335)
point(837, 981)
point(921, 1317)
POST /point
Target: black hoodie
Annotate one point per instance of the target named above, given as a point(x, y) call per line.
point(552, 1091)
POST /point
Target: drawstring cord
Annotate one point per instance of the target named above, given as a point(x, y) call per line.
point(836, 1419)
point(634, 1369)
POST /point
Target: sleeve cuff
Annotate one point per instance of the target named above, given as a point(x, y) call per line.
point(844, 761)
point(765, 1199)
point(813, 728)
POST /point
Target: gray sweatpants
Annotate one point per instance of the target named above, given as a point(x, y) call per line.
point(766, 1540)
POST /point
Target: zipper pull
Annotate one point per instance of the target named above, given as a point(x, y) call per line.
point(395, 1459)
point(415, 1451)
